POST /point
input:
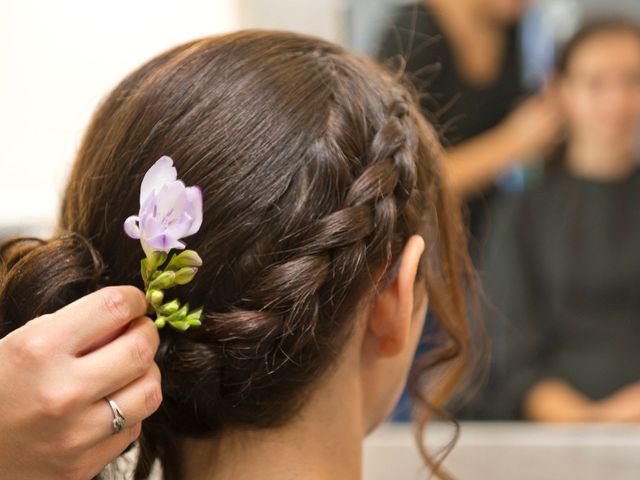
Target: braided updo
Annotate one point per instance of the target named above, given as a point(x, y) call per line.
point(316, 168)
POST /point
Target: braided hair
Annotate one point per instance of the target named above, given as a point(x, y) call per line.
point(316, 168)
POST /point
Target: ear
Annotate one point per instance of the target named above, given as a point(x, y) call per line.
point(392, 309)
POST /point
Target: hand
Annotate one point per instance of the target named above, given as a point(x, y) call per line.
point(534, 127)
point(554, 400)
point(528, 133)
point(56, 371)
point(622, 406)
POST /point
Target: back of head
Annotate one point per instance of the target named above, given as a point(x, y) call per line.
point(316, 167)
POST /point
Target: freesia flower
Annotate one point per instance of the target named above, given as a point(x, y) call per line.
point(169, 210)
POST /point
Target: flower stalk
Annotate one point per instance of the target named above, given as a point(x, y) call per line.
point(158, 278)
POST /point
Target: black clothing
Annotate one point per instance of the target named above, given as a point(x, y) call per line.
point(459, 109)
point(562, 269)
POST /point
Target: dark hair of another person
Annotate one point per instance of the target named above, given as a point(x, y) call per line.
point(316, 168)
point(590, 29)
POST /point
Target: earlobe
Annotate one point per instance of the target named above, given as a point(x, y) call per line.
point(392, 313)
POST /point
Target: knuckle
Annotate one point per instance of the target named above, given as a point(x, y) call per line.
point(71, 444)
point(147, 328)
point(157, 373)
point(31, 348)
point(153, 396)
point(59, 402)
point(153, 331)
point(141, 353)
point(115, 304)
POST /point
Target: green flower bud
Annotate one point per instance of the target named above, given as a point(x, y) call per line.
point(155, 297)
point(185, 275)
point(160, 321)
point(181, 326)
point(188, 258)
point(193, 318)
point(169, 307)
point(155, 259)
point(164, 280)
point(178, 315)
point(178, 319)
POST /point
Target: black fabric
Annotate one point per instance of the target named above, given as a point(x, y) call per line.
point(460, 110)
point(562, 270)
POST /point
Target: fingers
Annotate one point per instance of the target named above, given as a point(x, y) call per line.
point(120, 362)
point(100, 455)
point(137, 401)
point(96, 315)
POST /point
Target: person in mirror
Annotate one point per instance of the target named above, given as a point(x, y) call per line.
point(564, 266)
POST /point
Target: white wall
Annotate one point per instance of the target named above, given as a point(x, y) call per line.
point(57, 59)
point(323, 18)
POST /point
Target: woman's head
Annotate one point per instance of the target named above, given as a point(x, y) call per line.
point(599, 82)
point(317, 173)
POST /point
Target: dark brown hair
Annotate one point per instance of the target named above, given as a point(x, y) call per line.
point(316, 167)
point(591, 28)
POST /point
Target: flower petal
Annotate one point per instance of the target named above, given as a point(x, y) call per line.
point(131, 227)
point(170, 200)
point(161, 173)
point(168, 212)
point(194, 208)
point(150, 225)
point(179, 227)
point(163, 242)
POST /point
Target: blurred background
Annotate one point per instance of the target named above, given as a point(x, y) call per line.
point(58, 59)
point(538, 107)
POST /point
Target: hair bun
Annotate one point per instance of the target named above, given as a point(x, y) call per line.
point(39, 277)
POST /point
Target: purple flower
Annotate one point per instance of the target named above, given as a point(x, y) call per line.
point(169, 210)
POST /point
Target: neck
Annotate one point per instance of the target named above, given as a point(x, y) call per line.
point(323, 442)
point(596, 161)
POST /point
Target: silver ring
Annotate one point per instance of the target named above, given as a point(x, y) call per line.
point(119, 420)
